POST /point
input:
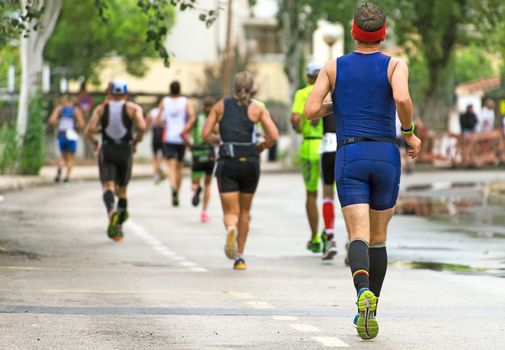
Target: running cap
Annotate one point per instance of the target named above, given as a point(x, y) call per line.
point(118, 87)
point(314, 68)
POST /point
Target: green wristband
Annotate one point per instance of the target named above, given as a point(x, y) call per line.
point(410, 131)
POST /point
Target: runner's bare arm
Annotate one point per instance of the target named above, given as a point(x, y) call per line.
point(54, 115)
point(296, 119)
point(401, 95)
point(215, 114)
point(149, 119)
point(139, 121)
point(79, 117)
point(159, 119)
point(190, 110)
point(92, 127)
point(271, 131)
point(400, 86)
point(316, 107)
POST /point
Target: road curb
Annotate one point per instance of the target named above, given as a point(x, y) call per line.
point(18, 183)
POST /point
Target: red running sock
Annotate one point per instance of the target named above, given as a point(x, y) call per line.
point(328, 215)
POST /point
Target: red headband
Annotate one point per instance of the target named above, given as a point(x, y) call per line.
point(368, 37)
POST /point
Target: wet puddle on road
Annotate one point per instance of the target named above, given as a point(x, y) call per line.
point(468, 235)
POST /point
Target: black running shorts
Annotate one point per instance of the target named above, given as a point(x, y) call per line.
point(157, 141)
point(203, 167)
point(328, 167)
point(115, 163)
point(238, 175)
point(174, 150)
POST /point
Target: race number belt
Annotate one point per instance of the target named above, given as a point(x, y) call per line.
point(366, 139)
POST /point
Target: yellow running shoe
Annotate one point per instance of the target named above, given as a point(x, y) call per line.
point(366, 324)
point(240, 264)
point(231, 248)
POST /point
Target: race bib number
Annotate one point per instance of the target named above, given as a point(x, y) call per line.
point(328, 143)
point(72, 135)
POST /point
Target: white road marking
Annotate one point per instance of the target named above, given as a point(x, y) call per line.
point(285, 318)
point(167, 253)
point(178, 258)
point(198, 269)
point(331, 342)
point(260, 305)
point(303, 327)
point(241, 295)
point(159, 247)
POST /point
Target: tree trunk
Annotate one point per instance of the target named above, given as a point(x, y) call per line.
point(438, 101)
point(32, 48)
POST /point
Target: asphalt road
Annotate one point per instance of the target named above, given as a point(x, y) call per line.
point(64, 285)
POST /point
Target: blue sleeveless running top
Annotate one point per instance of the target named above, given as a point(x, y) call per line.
point(363, 102)
point(66, 121)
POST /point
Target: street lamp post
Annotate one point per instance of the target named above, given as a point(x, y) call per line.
point(330, 37)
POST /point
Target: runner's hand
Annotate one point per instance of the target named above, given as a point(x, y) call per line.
point(134, 147)
point(261, 147)
point(414, 144)
point(96, 148)
point(185, 139)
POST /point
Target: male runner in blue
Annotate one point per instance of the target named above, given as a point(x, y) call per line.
point(367, 87)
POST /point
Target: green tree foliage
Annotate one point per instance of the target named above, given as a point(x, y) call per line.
point(13, 21)
point(9, 150)
point(471, 63)
point(156, 13)
point(431, 31)
point(123, 35)
point(9, 55)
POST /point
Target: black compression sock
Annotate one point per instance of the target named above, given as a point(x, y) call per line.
point(378, 266)
point(109, 199)
point(122, 204)
point(359, 263)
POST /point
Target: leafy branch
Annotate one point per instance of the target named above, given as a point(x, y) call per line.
point(15, 21)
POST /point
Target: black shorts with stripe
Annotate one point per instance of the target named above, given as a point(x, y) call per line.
point(115, 163)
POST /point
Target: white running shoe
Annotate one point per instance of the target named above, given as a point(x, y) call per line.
point(331, 251)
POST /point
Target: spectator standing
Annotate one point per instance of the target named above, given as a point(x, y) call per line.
point(487, 116)
point(468, 120)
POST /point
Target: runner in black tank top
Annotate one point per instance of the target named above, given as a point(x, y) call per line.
point(116, 120)
point(238, 167)
point(328, 152)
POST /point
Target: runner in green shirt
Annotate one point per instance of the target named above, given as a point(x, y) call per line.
point(312, 132)
point(204, 159)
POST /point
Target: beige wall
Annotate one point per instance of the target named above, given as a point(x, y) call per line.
point(272, 82)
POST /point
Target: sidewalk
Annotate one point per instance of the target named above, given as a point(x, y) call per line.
point(90, 172)
point(435, 178)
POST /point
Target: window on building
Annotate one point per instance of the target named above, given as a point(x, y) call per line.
point(265, 37)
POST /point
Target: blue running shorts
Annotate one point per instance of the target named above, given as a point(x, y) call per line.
point(368, 173)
